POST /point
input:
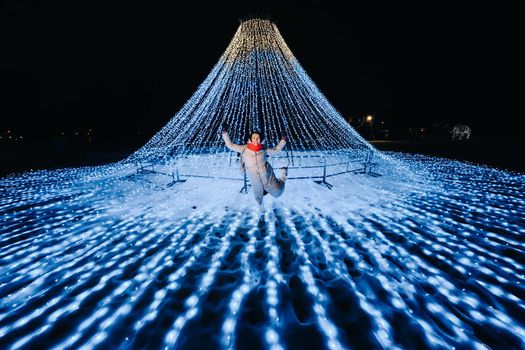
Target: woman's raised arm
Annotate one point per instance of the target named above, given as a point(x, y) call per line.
point(277, 148)
point(232, 146)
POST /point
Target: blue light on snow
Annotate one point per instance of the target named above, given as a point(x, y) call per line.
point(388, 262)
point(429, 255)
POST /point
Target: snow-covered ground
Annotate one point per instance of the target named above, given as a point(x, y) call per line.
point(430, 256)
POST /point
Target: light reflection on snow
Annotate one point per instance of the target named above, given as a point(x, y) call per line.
point(434, 259)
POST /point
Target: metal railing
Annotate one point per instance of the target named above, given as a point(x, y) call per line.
point(351, 162)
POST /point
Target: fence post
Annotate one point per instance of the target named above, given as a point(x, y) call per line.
point(323, 181)
point(368, 164)
point(324, 170)
point(245, 182)
point(176, 178)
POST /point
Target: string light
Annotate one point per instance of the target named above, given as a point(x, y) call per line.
point(429, 250)
point(257, 84)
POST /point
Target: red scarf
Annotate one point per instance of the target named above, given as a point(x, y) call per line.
point(255, 148)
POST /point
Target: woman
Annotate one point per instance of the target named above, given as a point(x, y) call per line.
point(259, 171)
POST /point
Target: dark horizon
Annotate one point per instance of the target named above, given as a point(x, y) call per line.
point(127, 69)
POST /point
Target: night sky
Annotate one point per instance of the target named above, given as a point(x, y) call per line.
point(122, 68)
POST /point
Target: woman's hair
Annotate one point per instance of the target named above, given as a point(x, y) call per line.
point(256, 132)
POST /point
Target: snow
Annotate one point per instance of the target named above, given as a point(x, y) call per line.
point(428, 255)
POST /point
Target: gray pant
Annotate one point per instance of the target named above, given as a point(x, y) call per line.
point(266, 182)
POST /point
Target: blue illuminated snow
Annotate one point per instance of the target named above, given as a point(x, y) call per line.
point(430, 260)
point(163, 250)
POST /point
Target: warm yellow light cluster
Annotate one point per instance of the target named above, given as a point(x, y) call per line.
point(256, 36)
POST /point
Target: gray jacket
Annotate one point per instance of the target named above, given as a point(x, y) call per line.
point(259, 171)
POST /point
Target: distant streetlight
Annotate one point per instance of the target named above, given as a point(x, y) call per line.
point(370, 119)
